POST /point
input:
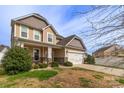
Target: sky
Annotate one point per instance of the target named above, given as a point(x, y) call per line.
point(67, 20)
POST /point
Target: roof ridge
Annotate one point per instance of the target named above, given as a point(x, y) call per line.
point(30, 14)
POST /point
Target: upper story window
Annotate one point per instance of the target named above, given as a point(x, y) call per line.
point(37, 35)
point(49, 37)
point(24, 31)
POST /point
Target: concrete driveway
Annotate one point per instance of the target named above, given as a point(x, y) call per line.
point(108, 70)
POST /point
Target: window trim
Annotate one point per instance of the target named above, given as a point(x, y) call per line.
point(39, 54)
point(27, 32)
point(52, 37)
point(34, 35)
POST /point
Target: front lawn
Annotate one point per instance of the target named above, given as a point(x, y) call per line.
point(61, 78)
point(7, 81)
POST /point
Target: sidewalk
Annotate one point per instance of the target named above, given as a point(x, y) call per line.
point(108, 70)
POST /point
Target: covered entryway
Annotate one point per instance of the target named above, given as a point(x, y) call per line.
point(41, 52)
point(75, 58)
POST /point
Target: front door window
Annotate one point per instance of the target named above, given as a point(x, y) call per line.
point(36, 54)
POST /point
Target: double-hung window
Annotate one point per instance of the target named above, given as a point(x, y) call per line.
point(37, 35)
point(50, 37)
point(24, 31)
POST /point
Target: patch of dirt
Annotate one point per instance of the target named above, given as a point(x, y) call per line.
point(3, 79)
point(28, 83)
point(70, 79)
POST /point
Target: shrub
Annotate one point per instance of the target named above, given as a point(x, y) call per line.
point(90, 59)
point(1, 66)
point(35, 66)
point(17, 60)
point(43, 65)
point(68, 64)
point(54, 64)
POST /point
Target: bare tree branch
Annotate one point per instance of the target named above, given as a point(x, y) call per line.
point(105, 21)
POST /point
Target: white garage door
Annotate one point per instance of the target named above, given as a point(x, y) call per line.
point(75, 58)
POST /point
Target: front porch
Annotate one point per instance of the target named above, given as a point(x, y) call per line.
point(45, 54)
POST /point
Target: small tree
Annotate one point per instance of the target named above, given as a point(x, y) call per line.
point(90, 59)
point(17, 60)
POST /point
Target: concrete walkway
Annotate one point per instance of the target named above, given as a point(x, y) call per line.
point(108, 70)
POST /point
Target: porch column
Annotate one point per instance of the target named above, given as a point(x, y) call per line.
point(49, 54)
point(66, 55)
point(20, 44)
point(43, 59)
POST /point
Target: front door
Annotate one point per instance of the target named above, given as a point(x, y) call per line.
point(53, 56)
point(36, 54)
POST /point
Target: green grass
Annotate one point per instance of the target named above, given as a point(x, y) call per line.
point(78, 68)
point(97, 76)
point(120, 81)
point(7, 85)
point(85, 82)
point(40, 74)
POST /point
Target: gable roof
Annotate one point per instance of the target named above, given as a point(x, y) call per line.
point(67, 40)
point(29, 15)
point(34, 23)
point(104, 48)
point(64, 41)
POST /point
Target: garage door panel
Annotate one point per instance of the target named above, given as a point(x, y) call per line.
point(75, 58)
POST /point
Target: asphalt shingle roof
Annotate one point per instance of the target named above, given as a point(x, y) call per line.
point(64, 41)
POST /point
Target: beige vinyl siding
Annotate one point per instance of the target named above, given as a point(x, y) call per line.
point(48, 30)
point(76, 43)
point(57, 40)
point(74, 50)
point(31, 34)
point(109, 51)
point(17, 32)
point(30, 48)
point(59, 53)
point(34, 22)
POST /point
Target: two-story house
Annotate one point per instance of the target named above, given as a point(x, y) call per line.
point(36, 34)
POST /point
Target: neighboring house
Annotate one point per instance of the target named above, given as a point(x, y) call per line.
point(3, 50)
point(107, 51)
point(35, 33)
point(120, 52)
